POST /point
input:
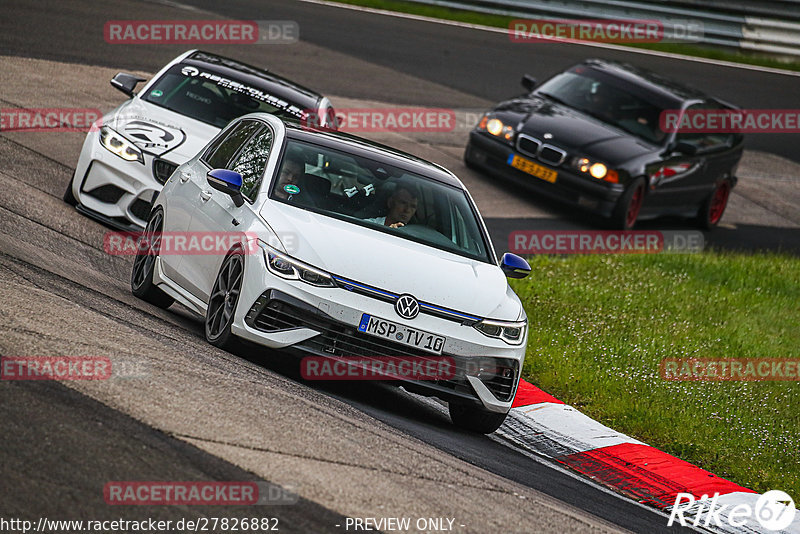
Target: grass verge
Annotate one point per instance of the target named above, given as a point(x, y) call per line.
point(499, 21)
point(600, 326)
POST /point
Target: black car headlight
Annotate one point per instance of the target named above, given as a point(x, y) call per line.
point(290, 268)
point(118, 145)
point(496, 127)
point(595, 169)
point(511, 332)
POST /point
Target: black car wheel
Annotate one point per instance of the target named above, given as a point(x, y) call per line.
point(222, 304)
point(69, 198)
point(629, 206)
point(475, 419)
point(144, 263)
point(714, 206)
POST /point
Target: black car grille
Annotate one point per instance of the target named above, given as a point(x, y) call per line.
point(528, 146)
point(341, 340)
point(163, 169)
point(106, 193)
point(141, 209)
point(533, 147)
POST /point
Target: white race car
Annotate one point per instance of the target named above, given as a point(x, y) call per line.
point(126, 159)
point(354, 251)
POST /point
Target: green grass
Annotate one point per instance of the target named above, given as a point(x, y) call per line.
point(600, 325)
point(473, 17)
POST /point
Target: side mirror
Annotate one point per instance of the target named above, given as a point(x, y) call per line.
point(513, 266)
point(125, 82)
point(528, 82)
point(686, 148)
point(229, 182)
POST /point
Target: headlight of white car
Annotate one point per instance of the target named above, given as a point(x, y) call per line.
point(118, 145)
point(511, 332)
point(290, 268)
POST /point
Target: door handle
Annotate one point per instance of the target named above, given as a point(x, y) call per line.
point(205, 195)
point(185, 176)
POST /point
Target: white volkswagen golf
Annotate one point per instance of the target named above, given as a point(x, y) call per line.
point(350, 250)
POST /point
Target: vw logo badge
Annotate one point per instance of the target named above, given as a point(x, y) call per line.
point(548, 136)
point(407, 307)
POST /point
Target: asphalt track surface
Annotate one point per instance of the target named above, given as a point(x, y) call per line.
point(60, 444)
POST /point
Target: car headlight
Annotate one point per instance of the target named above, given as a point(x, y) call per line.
point(289, 268)
point(595, 169)
point(496, 127)
point(115, 143)
point(511, 332)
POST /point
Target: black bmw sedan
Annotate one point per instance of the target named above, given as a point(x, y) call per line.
point(593, 137)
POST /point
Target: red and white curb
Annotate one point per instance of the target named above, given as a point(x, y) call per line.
point(541, 424)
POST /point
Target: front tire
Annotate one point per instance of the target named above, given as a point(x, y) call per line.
point(714, 205)
point(69, 197)
point(471, 417)
point(144, 264)
point(223, 300)
point(628, 206)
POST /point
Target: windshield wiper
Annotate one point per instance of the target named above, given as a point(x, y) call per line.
point(557, 100)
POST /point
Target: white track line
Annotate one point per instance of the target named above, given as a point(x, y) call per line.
point(621, 48)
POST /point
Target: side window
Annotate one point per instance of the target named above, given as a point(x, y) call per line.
point(252, 160)
point(219, 155)
point(709, 140)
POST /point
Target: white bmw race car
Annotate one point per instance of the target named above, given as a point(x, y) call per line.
point(351, 252)
point(128, 157)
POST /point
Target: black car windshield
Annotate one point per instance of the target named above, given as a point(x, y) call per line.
point(381, 197)
point(606, 102)
point(213, 99)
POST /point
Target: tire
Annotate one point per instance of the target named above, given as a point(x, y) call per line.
point(144, 264)
point(713, 207)
point(222, 303)
point(628, 206)
point(471, 417)
point(69, 198)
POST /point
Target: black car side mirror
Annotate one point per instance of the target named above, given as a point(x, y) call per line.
point(528, 82)
point(125, 82)
point(686, 148)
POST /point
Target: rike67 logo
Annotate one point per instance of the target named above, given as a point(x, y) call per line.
point(772, 511)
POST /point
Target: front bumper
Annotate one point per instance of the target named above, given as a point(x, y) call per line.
point(117, 192)
point(309, 320)
point(491, 156)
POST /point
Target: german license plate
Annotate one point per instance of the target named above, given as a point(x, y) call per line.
point(375, 326)
point(526, 165)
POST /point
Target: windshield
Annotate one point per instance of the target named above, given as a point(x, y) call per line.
point(381, 197)
point(213, 99)
point(607, 103)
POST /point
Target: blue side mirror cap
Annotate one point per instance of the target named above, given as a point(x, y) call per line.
point(513, 266)
point(225, 179)
point(229, 182)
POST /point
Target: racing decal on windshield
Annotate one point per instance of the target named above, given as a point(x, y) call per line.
point(252, 92)
point(147, 134)
point(291, 189)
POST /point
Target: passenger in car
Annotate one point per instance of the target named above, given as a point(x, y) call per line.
point(402, 206)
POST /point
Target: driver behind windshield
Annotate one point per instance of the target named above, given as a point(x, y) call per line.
point(402, 206)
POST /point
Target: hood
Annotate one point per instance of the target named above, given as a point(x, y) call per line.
point(574, 131)
point(393, 263)
point(161, 132)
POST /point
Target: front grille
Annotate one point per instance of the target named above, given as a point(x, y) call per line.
point(528, 145)
point(106, 193)
point(552, 155)
point(163, 169)
point(141, 209)
point(338, 339)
